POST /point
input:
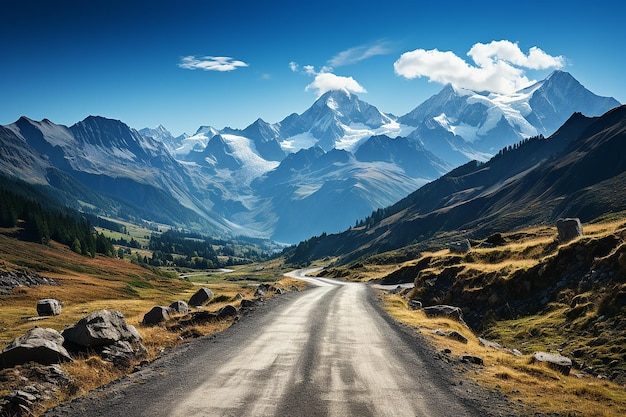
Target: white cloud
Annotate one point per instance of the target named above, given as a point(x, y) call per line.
point(359, 53)
point(328, 81)
point(499, 66)
point(325, 80)
point(211, 63)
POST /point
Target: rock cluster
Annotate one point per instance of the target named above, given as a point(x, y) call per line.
point(103, 332)
point(161, 314)
point(263, 289)
point(202, 317)
point(14, 279)
point(43, 383)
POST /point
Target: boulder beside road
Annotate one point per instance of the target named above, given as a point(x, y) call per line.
point(101, 328)
point(44, 346)
point(201, 297)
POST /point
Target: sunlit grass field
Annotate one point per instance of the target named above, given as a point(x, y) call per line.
point(85, 285)
point(534, 385)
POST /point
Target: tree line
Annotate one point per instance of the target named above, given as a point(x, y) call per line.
point(41, 224)
point(193, 250)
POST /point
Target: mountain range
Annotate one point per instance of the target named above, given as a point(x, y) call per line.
point(579, 171)
point(313, 172)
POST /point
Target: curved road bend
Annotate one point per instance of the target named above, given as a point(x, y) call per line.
point(326, 351)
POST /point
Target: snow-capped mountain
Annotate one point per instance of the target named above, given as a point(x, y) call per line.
point(233, 157)
point(459, 125)
point(336, 120)
point(329, 190)
point(163, 135)
point(104, 166)
point(339, 119)
point(554, 99)
point(317, 171)
point(265, 137)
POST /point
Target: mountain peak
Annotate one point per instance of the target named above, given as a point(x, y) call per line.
point(341, 92)
point(558, 97)
point(206, 129)
point(334, 99)
point(100, 121)
point(559, 74)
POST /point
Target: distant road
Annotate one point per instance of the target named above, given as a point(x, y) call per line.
point(326, 351)
point(205, 273)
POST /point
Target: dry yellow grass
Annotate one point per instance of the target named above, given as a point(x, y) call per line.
point(86, 285)
point(537, 387)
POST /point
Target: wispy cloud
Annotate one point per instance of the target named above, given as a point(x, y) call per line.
point(325, 80)
point(211, 63)
point(500, 66)
point(359, 53)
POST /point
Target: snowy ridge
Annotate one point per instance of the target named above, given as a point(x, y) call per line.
point(300, 141)
point(244, 150)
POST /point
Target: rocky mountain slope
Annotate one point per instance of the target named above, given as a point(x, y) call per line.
point(458, 124)
point(580, 171)
point(248, 181)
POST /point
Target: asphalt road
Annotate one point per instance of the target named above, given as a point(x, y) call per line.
point(326, 351)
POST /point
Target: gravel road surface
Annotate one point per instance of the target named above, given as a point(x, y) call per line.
point(327, 351)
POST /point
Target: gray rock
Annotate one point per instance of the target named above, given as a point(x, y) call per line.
point(198, 317)
point(227, 311)
point(451, 312)
point(101, 328)
point(454, 335)
point(555, 361)
point(201, 297)
point(19, 403)
point(49, 307)
point(120, 353)
point(471, 359)
point(462, 246)
point(498, 346)
point(415, 305)
point(263, 289)
point(180, 307)
point(569, 229)
point(44, 346)
point(248, 303)
point(157, 315)
point(396, 290)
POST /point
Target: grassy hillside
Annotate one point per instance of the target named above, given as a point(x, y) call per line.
point(526, 291)
point(84, 284)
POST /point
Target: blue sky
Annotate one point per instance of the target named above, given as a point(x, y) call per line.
point(184, 64)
